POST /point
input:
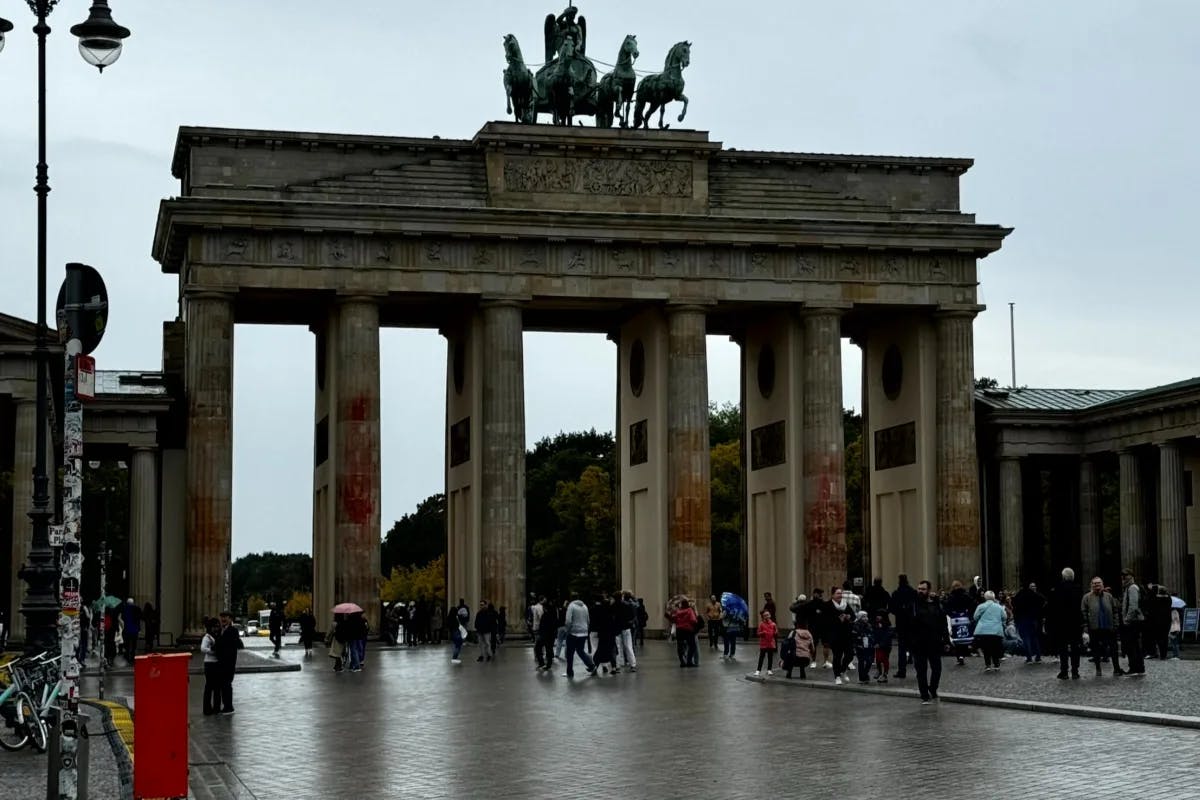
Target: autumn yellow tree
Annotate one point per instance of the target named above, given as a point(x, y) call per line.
point(297, 604)
point(416, 583)
point(254, 604)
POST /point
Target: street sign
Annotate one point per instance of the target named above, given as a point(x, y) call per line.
point(85, 377)
point(88, 317)
point(1191, 620)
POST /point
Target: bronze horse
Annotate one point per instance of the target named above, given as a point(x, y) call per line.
point(518, 83)
point(615, 95)
point(658, 90)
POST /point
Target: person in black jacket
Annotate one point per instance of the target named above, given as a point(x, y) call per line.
point(959, 604)
point(876, 598)
point(275, 626)
point(903, 606)
point(228, 644)
point(485, 629)
point(927, 633)
point(820, 615)
point(1066, 617)
point(1028, 609)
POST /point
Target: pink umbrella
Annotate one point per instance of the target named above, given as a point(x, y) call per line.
point(347, 608)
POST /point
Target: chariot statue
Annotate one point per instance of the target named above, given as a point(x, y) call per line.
point(566, 85)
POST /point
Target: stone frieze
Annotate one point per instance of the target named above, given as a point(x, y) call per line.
point(598, 176)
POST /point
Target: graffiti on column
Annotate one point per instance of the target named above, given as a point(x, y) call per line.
point(356, 483)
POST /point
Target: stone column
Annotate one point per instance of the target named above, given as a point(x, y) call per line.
point(502, 538)
point(824, 476)
point(1012, 523)
point(1133, 522)
point(1089, 520)
point(689, 527)
point(1172, 520)
point(24, 456)
point(356, 465)
point(957, 476)
point(143, 526)
point(209, 388)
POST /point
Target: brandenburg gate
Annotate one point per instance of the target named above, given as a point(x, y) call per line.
point(656, 238)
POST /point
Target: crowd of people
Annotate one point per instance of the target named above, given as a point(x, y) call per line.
point(854, 636)
point(111, 628)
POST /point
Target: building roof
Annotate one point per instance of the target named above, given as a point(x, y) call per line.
point(1026, 399)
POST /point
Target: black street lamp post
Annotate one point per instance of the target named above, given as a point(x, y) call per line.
point(100, 44)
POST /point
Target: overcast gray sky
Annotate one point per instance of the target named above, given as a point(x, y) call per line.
point(1081, 116)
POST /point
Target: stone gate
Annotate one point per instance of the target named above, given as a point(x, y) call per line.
point(656, 238)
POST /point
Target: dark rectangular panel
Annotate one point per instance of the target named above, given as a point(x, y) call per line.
point(639, 445)
point(767, 448)
point(460, 442)
point(321, 442)
point(896, 446)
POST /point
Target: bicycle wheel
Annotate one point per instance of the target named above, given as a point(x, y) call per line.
point(14, 728)
point(37, 731)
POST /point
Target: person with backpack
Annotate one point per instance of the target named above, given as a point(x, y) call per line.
point(801, 650)
point(864, 645)
point(731, 626)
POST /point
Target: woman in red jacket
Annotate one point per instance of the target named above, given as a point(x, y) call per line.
point(686, 626)
point(766, 642)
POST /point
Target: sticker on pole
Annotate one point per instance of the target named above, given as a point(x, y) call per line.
point(85, 377)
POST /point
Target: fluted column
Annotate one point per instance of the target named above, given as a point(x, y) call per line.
point(143, 525)
point(356, 466)
point(24, 452)
point(689, 530)
point(1089, 520)
point(1172, 536)
point(209, 389)
point(957, 471)
point(502, 539)
point(1133, 522)
point(824, 446)
point(1012, 523)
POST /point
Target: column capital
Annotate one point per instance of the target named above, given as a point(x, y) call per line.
point(354, 298)
point(1164, 444)
point(504, 302)
point(692, 308)
point(824, 310)
point(143, 448)
point(206, 293)
point(958, 312)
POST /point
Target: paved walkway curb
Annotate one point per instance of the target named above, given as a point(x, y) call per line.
point(1090, 712)
point(117, 724)
point(249, 662)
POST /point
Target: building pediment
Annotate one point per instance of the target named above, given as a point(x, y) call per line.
point(14, 330)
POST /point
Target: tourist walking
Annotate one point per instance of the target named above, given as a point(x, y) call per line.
point(335, 642)
point(926, 636)
point(458, 635)
point(131, 615)
point(1066, 620)
point(820, 616)
point(544, 635)
point(577, 623)
point(712, 615)
point(627, 614)
point(1132, 618)
point(605, 623)
point(731, 627)
point(766, 642)
point(485, 630)
point(227, 646)
point(840, 635)
point(903, 606)
point(876, 598)
point(959, 605)
point(643, 619)
point(989, 632)
point(1100, 619)
point(883, 646)
point(275, 627)
point(308, 631)
point(864, 645)
point(686, 625)
point(212, 667)
point(356, 640)
point(1029, 607)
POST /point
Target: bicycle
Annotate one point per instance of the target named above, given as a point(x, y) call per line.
point(22, 721)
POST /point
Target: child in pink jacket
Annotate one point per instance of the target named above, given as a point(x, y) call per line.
point(766, 642)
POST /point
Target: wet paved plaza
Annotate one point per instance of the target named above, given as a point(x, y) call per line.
point(412, 725)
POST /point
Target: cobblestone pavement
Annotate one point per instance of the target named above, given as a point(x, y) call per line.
point(1170, 687)
point(412, 725)
point(23, 774)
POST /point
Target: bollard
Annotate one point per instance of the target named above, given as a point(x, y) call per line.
point(68, 742)
point(160, 725)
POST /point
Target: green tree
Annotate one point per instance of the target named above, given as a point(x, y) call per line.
point(274, 577)
point(554, 460)
point(724, 423)
point(416, 539)
point(985, 382)
point(579, 556)
point(725, 462)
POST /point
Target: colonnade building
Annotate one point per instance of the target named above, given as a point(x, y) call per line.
point(654, 238)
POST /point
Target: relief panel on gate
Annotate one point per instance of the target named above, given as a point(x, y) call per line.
point(598, 176)
point(896, 446)
point(639, 443)
point(767, 446)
